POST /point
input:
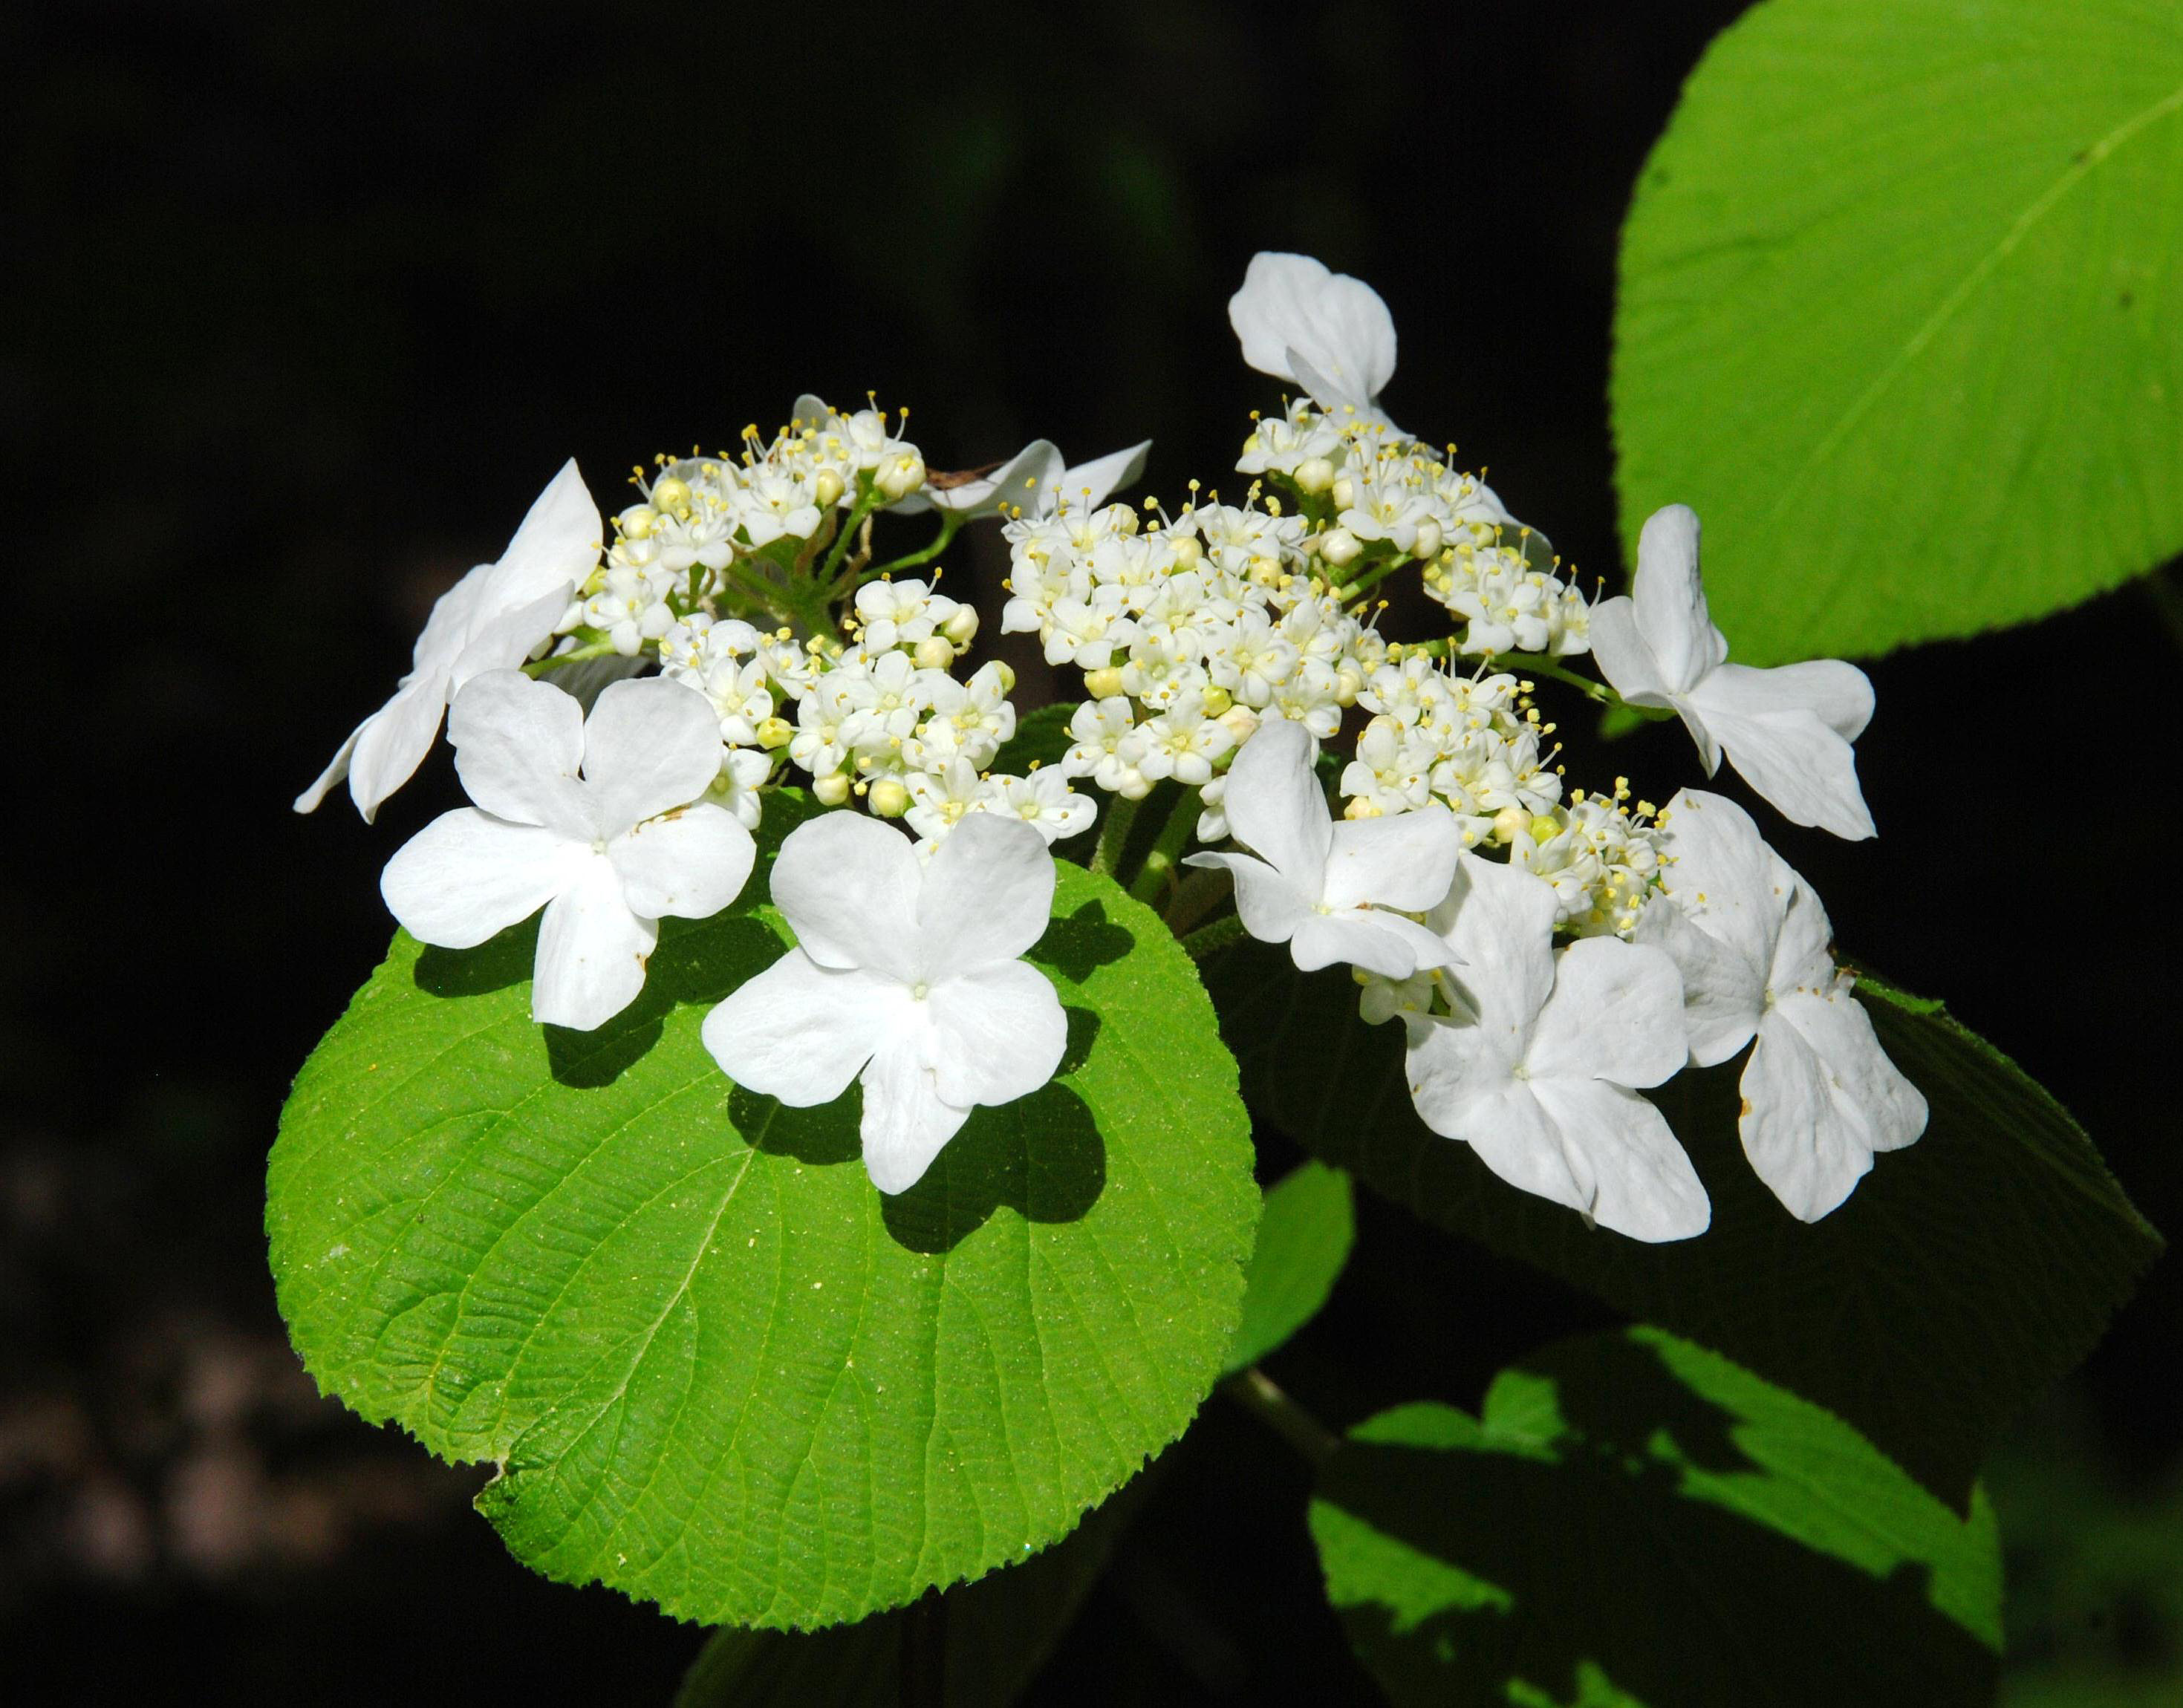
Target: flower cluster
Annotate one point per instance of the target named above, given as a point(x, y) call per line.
point(1550, 951)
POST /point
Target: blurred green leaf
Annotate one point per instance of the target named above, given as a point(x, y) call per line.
point(716, 1368)
point(1304, 1236)
point(1634, 1522)
point(1963, 1276)
point(1902, 316)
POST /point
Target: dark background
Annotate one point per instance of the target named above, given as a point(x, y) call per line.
point(301, 308)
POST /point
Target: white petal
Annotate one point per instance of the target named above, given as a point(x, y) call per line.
point(848, 887)
point(504, 640)
point(1275, 807)
point(1723, 996)
point(467, 875)
point(1405, 860)
point(556, 543)
point(810, 411)
point(906, 1121)
point(649, 746)
point(1623, 657)
point(308, 800)
point(1820, 1096)
point(988, 896)
point(1671, 600)
point(1502, 936)
point(393, 742)
point(517, 745)
point(1090, 484)
point(1294, 320)
point(1383, 943)
point(998, 1033)
point(689, 865)
point(1803, 957)
point(1722, 875)
point(591, 951)
point(1838, 693)
point(1514, 1136)
point(1020, 483)
point(1642, 1181)
point(801, 1031)
point(1783, 748)
point(1616, 1014)
point(1269, 906)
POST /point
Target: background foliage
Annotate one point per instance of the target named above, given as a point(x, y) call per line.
point(303, 306)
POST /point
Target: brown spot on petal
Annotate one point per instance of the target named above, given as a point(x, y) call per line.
point(1744, 1113)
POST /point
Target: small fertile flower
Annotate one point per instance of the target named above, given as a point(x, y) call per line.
point(602, 822)
point(1324, 331)
point(1788, 730)
point(494, 617)
point(906, 977)
point(1820, 1094)
point(1535, 1068)
point(1326, 889)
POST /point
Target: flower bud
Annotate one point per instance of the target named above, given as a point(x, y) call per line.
point(888, 798)
point(671, 495)
point(831, 789)
point(1544, 828)
point(1188, 553)
point(826, 490)
point(1103, 684)
point(900, 474)
point(1134, 784)
point(1240, 722)
point(1216, 700)
point(1361, 808)
point(963, 627)
point(637, 522)
point(1428, 541)
point(1314, 474)
point(1007, 673)
point(934, 652)
point(1343, 492)
point(1340, 547)
point(1509, 823)
point(775, 732)
point(1348, 684)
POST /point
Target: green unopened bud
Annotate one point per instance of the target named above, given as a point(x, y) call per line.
point(775, 732)
point(1103, 684)
point(963, 627)
point(888, 798)
point(1006, 672)
point(830, 791)
point(827, 489)
point(1216, 700)
point(934, 652)
point(1544, 828)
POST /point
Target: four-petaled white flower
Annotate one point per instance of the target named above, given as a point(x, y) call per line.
point(492, 619)
point(1323, 888)
point(1534, 1071)
point(906, 975)
point(1786, 731)
point(1820, 1094)
point(1037, 480)
point(607, 853)
point(1325, 331)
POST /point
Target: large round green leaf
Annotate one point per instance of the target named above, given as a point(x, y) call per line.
point(1964, 1275)
point(718, 1370)
point(1902, 316)
point(1633, 1522)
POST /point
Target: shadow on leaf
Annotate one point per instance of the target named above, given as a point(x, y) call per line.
point(1076, 946)
point(1042, 1156)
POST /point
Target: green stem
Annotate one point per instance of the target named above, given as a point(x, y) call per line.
point(1210, 940)
point(1160, 864)
point(1114, 834)
point(1531, 664)
point(1195, 899)
point(1256, 1394)
point(542, 667)
point(1358, 589)
point(843, 540)
point(951, 525)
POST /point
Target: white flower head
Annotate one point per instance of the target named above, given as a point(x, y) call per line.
point(906, 977)
point(1324, 331)
point(1786, 731)
point(1536, 1070)
point(492, 619)
point(1820, 1094)
point(1324, 888)
point(602, 822)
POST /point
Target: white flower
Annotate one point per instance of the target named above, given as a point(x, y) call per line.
point(1786, 731)
point(607, 853)
point(495, 616)
point(742, 769)
point(1327, 332)
point(1534, 1071)
point(1820, 1094)
point(1315, 882)
point(1044, 801)
point(906, 975)
point(1036, 481)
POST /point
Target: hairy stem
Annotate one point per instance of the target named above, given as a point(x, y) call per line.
point(1159, 865)
point(1114, 834)
point(1256, 1394)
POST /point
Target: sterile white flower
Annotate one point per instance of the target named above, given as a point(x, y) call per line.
point(492, 619)
point(607, 853)
point(1037, 481)
point(1323, 888)
point(1535, 1070)
point(1325, 331)
point(1751, 937)
point(1786, 731)
point(906, 975)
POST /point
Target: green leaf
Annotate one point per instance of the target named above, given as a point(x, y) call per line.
point(1304, 1236)
point(718, 1370)
point(993, 1634)
point(1964, 1275)
point(1636, 1522)
point(1900, 290)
